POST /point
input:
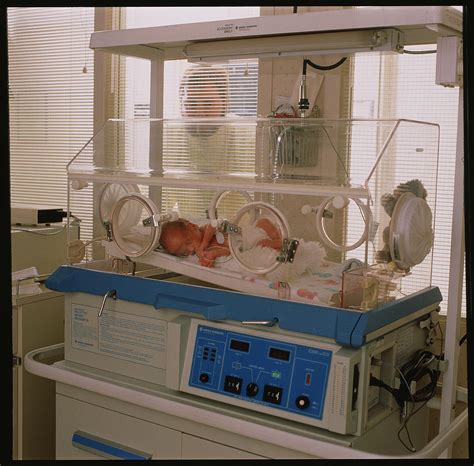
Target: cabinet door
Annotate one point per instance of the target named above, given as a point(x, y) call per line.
point(38, 323)
point(85, 431)
point(198, 448)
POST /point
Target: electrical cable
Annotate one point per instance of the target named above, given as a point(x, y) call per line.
point(303, 103)
point(463, 339)
point(418, 52)
point(412, 371)
point(307, 61)
point(56, 232)
point(441, 356)
point(28, 230)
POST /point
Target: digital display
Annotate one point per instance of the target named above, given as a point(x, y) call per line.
point(239, 345)
point(277, 353)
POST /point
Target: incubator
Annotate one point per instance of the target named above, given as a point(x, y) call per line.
point(331, 189)
point(296, 328)
point(322, 297)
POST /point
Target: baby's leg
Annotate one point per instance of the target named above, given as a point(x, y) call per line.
point(272, 231)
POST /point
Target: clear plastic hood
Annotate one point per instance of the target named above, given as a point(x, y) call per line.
point(311, 151)
point(363, 191)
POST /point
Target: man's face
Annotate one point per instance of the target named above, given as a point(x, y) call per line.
point(206, 101)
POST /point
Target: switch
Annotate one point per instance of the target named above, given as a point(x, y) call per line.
point(204, 378)
point(252, 389)
point(272, 394)
point(232, 384)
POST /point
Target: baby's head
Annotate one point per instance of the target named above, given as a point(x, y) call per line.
point(180, 237)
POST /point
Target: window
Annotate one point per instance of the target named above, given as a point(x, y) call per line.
point(51, 73)
point(403, 86)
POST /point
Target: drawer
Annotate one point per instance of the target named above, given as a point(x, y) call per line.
point(86, 431)
point(198, 448)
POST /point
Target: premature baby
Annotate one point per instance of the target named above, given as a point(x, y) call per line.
point(183, 238)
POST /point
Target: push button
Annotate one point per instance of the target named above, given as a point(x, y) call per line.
point(204, 378)
point(272, 394)
point(233, 384)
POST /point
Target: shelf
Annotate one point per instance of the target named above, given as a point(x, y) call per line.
point(353, 28)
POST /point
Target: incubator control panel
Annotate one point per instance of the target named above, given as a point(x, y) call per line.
point(250, 368)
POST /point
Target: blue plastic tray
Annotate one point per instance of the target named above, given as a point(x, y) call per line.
point(347, 327)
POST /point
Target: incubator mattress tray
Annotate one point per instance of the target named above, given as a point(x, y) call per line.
point(318, 288)
point(347, 327)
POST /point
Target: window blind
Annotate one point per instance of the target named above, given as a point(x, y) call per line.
point(190, 90)
point(51, 104)
point(403, 86)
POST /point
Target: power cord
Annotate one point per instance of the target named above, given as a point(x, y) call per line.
point(303, 103)
point(60, 229)
point(412, 371)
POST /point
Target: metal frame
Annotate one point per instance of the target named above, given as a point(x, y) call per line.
point(277, 36)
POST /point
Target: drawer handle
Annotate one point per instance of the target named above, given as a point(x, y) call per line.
point(106, 448)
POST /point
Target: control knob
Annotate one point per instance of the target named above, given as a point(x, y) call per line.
point(252, 389)
point(204, 378)
point(302, 402)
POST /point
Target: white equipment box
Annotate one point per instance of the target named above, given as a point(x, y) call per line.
point(26, 214)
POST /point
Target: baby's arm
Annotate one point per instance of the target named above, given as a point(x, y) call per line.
point(209, 232)
point(209, 255)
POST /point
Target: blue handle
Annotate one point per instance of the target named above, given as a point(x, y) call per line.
point(106, 448)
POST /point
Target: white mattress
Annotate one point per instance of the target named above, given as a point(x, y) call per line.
point(321, 287)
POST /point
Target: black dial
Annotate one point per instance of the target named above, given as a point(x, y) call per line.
point(302, 402)
point(204, 378)
point(252, 389)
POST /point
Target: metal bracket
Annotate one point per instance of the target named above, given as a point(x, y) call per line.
point(108, 230)
point(157, 219)
point(16, 360)
point(440, 365)
point(288, 250)
point(227, 227)
point(152, 221)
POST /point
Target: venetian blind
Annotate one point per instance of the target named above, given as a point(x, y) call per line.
point(51, 104)
point(409, 81)
point(190, 90)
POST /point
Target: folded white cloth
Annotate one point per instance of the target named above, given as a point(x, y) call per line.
point(23, 274)
point(251, 235)
point(308, 258)
point(25, 288)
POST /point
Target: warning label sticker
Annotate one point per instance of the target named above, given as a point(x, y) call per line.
point(118, 334)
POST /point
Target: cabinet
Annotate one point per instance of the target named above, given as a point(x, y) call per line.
point(88, 431)
point(131, 436)
point(37, 322)
point(198, 448)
